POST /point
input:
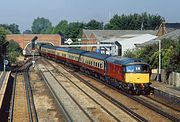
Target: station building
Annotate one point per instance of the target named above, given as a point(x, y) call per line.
point(127, 39)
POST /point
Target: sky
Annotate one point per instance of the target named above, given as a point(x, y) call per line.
point(23, 12)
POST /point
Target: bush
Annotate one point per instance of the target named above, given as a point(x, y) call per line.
point(170, 54)
point(14, 51)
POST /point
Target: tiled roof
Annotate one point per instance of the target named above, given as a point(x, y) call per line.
point(172, 35)
point(107, 34)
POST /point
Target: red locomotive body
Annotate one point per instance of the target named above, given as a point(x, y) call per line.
point(114, 71)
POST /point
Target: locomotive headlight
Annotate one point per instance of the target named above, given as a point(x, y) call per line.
point(130, 85)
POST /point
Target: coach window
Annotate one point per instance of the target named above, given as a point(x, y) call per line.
point(100, 65)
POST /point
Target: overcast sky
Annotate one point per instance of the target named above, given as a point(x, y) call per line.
point(23, 12)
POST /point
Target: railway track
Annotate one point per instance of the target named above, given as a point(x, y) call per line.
point(108, 98)
point(169, 113)
point(53, 92)
point(139, 99)
point(22, 108)
point(68, 115)
point(162, 109)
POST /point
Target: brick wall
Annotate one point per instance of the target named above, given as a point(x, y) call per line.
point(24, 39)
point(89, 40)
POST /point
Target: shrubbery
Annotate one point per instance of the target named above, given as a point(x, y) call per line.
point(14, 51)
point(170, 54)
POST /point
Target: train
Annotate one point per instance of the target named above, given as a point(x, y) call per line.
point(128, 74)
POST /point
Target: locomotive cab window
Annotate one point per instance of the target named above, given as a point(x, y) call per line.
point(137, 68)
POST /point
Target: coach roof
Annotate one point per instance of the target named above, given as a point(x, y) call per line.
point(96, 55)
point(76, 51)
point(63, 49)
point(49, 46)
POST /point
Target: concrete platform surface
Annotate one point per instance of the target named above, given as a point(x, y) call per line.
point(4, 77)
point(167, 93)
point(166, 88)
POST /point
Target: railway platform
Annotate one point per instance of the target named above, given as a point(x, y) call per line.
point(167, 93)
point(4, 77)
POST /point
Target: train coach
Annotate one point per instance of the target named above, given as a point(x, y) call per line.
point(128, 74)
point(93, 63)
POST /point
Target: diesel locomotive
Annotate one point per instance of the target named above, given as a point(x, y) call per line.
point(129, 74)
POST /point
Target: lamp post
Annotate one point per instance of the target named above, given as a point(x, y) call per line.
point(159, 69)
point(5, 62)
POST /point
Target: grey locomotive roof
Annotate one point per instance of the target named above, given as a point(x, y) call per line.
point(96, 55)
point(76, 51)
point(122, 60)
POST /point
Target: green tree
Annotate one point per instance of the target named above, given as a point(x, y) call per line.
point(14, 50)
point(14, 28)
point(150, 54)
point(69, 30)
point(27, 32)
point(174, 64)
point(61, 28)
point(41, 26)
point(75, 30)
point(3, 33)
point(134, 22)
point(93, 24)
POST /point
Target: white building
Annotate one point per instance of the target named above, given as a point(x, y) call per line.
point(126, 42)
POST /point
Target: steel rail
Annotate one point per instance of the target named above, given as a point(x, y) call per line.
point(137, 99)
point(107, 97)
point(165, 104)
point(12, 98)
point(66, 114)
point(30, 99)
point(71, 97)
point(29, 96)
